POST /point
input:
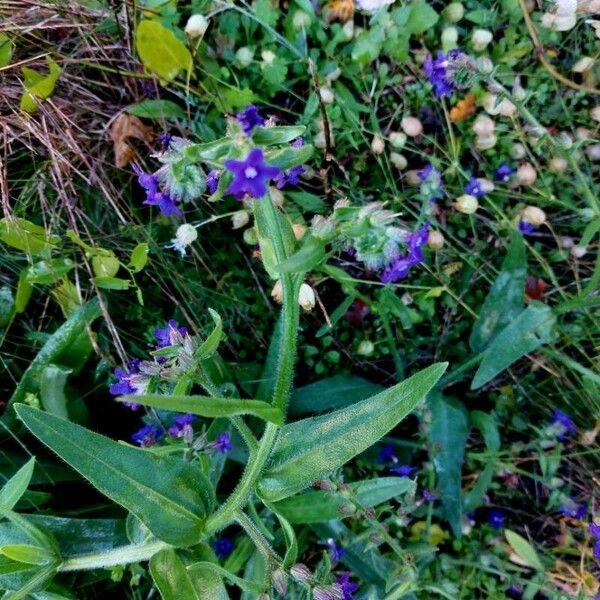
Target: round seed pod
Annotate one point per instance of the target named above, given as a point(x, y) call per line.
point(411, 126)
point(466, 204)
point(377, 144)
point(398, 160)
point(534, 215)
point(435, 240)
point(526, 174)
point(483, 126)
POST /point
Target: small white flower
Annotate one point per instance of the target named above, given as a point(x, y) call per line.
point(480, 39)
point(372, 5)
point(239, 219)
point(306, 297)
point(196, 26)
point(244, 56)
point(185, 235)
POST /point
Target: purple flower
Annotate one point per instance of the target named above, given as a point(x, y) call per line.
point(571, 509)
point(291, 176)
point(182, 425)
point(504, 172)
point(212, 180)
point(496, 519)
point(166, 335)
point(250, 175)
point(223, 547)
point(335, 552)
point(525, 227)
point(403, 470)
point(473, 187)
point(439, 71)
point(147, 436)
point(432, 185)
point(249, 119)
point(348, 587)
point(154, 197)
point(428, 496)
point(563, 423)
point(595, 533)
point(222, 443)
point(125, 385)
point(386, 454)
point(165, 139)
point(400, 267)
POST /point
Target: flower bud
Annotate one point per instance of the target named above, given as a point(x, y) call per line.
point(578, 251)
point(250, 236)
point(319, 140)
point(377, 144)
point(558, 165)
point(239, 219)
point(493, 106)
point(321, 227)
point(277, 292)
point(268, 56)
point(412, 177)
point(484, 65)
point(518, 151)
point(398, 160)
point(485, 185)
point(398, 139)
point(306, 297)
point(483, 126)
point(454, 12)
point(534, 215)
point(583, 133)
point(300, 572)
point(565, 140)
point(466, 204)
point(196, 26)
point(435, 240)
point(480, 38)
point(276, 196)
point(585, 63)
point(526, 174)
point(593, 152)
point(595, 113)
point(327, 95)
point(519, 92)
point(485, 142)
point(185, 235)
point(244, 56)
point(279, 580)
point(449, 38)
point(365, 348)
point(301, 20)
point(411, 126)
point(299, 230)
point(328, 592)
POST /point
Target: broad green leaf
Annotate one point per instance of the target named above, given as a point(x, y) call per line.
point(311, 253)
point(112, 283)
point(139, 257)
point(59, 342)
point(288, 157)
point(6, 49)
point(312, 448)
point(487, 424)
point(38, 578)
point(506, 297)
point(206, 406)
point(26, 236)
point(49, 271)
point(422, 18)
point(482, 17)
point(16, 486)
point(447, 436)
point(532, 328)
point(319, 506)
point(269, 136)
point(25, 553)
point(332, 393)
point(105, 266)
point(52, 390)
point(39, 86)
point(210, 345)
point(171, 497)
point(157, 110)
point(524, 550)
point(160, 51)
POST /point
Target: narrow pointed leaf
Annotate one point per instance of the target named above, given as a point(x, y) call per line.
point(170, 497)
point(16, 486)
point(310, 449)
point(524, 550)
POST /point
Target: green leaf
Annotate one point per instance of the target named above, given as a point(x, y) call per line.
point(58, 343)
point(171, 497)
point(112, 283)
point(160, 51)
point(524, 550)
point(36, 581)
point(105, 266)
point(309, 256)
point(139, 257)
point(319, 506)
point(506, 297)
point(311, 449)
point(24, 291)
point(157, 110)
point(210, 345)
point(39, 86)
point(288, 157)
point(49, 271)
point(25, 553)
point(332, 393)
point(486, 423)
point(482, 17)
point(447, 436)
point(244, 584)
point(206, 406)
point(270, 136)
point(532, 328)
point(26, 236)
point(6, 49)
point(422, 18)
point(7, 305)
point(52, 390)
point(16, 486)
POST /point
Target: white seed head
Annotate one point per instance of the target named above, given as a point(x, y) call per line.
point(566, 242)
point(435, 240)
point(485, 142)
point(480, 38)
point(411, 126)
point(240, 218)
point(277, 196)
point(306, 297)
point(377, 144)
point(454, 12)
point(534, 215)
point(196, 26)
point(466, 204)
point(526, 174)
point(186, 234)
point(333, 75)
point(398, 160)
point(483, 126)
point(578, 251)
point(412, 177)
point(397, 139)
point(268, 56)
point(327, 95)
point(518, 151)
point(583, 133)
point(301, 20)
point(244, 56)
point(557, 165)
point(494, 106)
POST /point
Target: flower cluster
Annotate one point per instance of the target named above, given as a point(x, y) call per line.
point(562, 425)
point(154, 196)
point(440, 71)
point(400, 267)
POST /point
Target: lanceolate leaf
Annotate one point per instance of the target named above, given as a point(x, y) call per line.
point(310, 449)
point(171, 497)
point(447, 439)
point(15, 487)
point(524, 550)
point(205, 406)
point(310, 255)
point(276, 135)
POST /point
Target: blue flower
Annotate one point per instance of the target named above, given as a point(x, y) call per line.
point(181, 425)
point(335, 552)
point(428, 496)
point(250, 175)
point(212, 180)
point(432, 186)
point(473, 188)
point(166, 336)
point(400, 267)
point(571, 509)
point(386, 454)
point(165, 139)
point(223, 547)
point(154, 197)
point(504, 172)
point(496, 519)
point(249, 119)
point(348, 587)
point(291, 176)
point(595, 533)
point(403, 470)
point(563, 423)
point(148, 435)
point(525, 227)
point(222, 443)
point(439, 71)
point(126, 386)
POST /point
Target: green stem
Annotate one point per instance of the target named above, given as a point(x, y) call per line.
point(257, 537)
point(116, 556)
